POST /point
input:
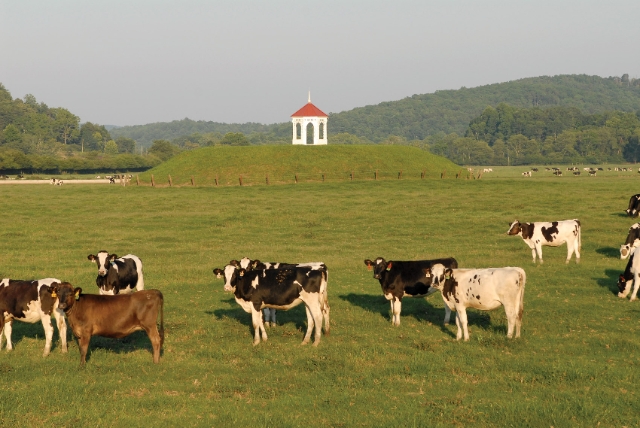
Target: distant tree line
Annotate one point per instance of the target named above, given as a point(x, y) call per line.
point(37, 138)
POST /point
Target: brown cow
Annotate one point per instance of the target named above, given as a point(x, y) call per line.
point(112, 316)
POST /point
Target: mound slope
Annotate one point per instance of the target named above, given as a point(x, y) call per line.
point(283, 163)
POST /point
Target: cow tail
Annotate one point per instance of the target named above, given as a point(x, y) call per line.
point(324, 302)
point(579, 237)
point(523, 280)
point(161, 331)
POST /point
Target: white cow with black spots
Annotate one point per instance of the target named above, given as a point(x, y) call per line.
point(484, 289)
point(551, 234)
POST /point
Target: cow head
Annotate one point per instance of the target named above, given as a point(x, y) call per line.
point(632, 241)
point(67, 295)
point(245, 262)
point(438, 275)
point(379, 266)
point(515, 228)
point(623, 284)
point(230, 274)
point(103, 259)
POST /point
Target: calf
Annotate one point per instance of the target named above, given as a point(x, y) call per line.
point(634, 206)
point(484, 289)
point(118, 275)
point(400, 279)
point(552, 234)
point(630, 276)
point(632, 241)
point(246, 263)
point(280, 289)
point(31, 301)
point(112, 316)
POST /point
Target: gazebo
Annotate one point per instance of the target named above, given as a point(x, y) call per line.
point(307, 122)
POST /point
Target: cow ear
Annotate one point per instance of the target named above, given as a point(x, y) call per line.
point(77, 292)
point(53, 289)
point(447, 273)
point(427, 272)
point(389, 265)
point(369, 264)
point(112, 257)
point(217, 272)
point(255, 264)
point(91, 258)
point(234, 263)
point(241, 273)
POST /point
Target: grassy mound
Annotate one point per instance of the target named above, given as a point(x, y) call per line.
point(283, 163)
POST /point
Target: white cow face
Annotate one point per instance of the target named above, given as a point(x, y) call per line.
point(514, 229)
point(103, 259)
point(230, 274)
point(437, 275)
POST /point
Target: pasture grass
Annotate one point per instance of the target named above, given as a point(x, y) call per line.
point(575, 365)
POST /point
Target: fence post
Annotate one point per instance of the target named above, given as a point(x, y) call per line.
point(296, 178)
point(240, 179)
point(153, 182)
point(170, 181)
point(422, 175)
point(267, 179)
point(137, 180)
point(216, 180)
point(375, 175)
point(400, 175)
point(351, 175)
point(323, 178)
point(193, 183)
point(443, 174)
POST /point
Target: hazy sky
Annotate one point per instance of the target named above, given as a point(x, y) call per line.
point(134, 62)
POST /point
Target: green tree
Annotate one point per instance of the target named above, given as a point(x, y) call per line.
point(66, 125)
point(126, 145)
point(163, 149)
point(11, 135)
point(234, 139)
point(111, 147)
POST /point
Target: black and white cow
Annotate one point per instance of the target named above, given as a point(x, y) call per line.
point(31, 301)
point(118, 275)
point(484, 289)
point(630, 277)
point(632, 241)
point(281, 289)
point(247, 263)
point(634, 206)
point(551, 234)
point(400, 279)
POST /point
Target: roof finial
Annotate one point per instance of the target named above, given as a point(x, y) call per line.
point(309, 100)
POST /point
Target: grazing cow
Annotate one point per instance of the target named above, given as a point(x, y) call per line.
point(634, 206)
point(576, 172)
point(630, 276)
point(280, 289)
point(400, 279)
point(632, 241)
point(558, 173)
point(552, 234)
point(534, 169)
point(112, 316)
point(246, 263)
point(527, 173)
point(31, 301)
point(118, 274)
point(484, 289)
point(592, 173)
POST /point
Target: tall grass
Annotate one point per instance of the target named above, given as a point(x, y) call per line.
point(576, 363)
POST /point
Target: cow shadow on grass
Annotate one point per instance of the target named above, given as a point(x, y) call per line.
point(22, 330)
point(610, 252)
point(610, 281)
point(417, 308)
point(296, 316)
point(622, 214)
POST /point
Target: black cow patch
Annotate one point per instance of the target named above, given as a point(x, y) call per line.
point(15, 298)
point(449, 289)
point(527, 230)
point(548, 232)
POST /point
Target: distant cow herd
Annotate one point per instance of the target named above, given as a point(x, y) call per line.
point(123, 306)
point(576, 171)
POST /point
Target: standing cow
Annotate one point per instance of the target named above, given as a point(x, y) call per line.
point(400, 279)
point(279, 289)
point(551, 234)
point(632, 241)
point(634, 206)
point(118, 275)
point(31, 301)
point(484, 289)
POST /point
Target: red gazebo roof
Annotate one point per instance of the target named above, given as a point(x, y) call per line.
point(309, 110)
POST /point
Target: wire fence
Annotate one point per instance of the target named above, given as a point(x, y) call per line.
point(254, 179)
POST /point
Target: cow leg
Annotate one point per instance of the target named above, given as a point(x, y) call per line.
point(447, 314)
point(156, 342)
point(576, 248)
point(462, 315)
point(636, 285)
point(396, 307)
point(83, 343)
point(459, 325)
point(310, 324)
point(316, 313)
point(48, 333)
point(539, 250)
point(325, 315)
point(258, 326)
point(511, 319)
point(62, 328)
point(7, 332)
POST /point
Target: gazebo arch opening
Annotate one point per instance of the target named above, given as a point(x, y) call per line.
point(321, 131)
point(310, 135)
point(298, 131)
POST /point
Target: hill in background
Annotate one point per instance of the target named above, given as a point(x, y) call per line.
point(419, 116)
point(283, 163)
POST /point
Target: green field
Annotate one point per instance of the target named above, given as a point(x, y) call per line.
point(575, 365)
